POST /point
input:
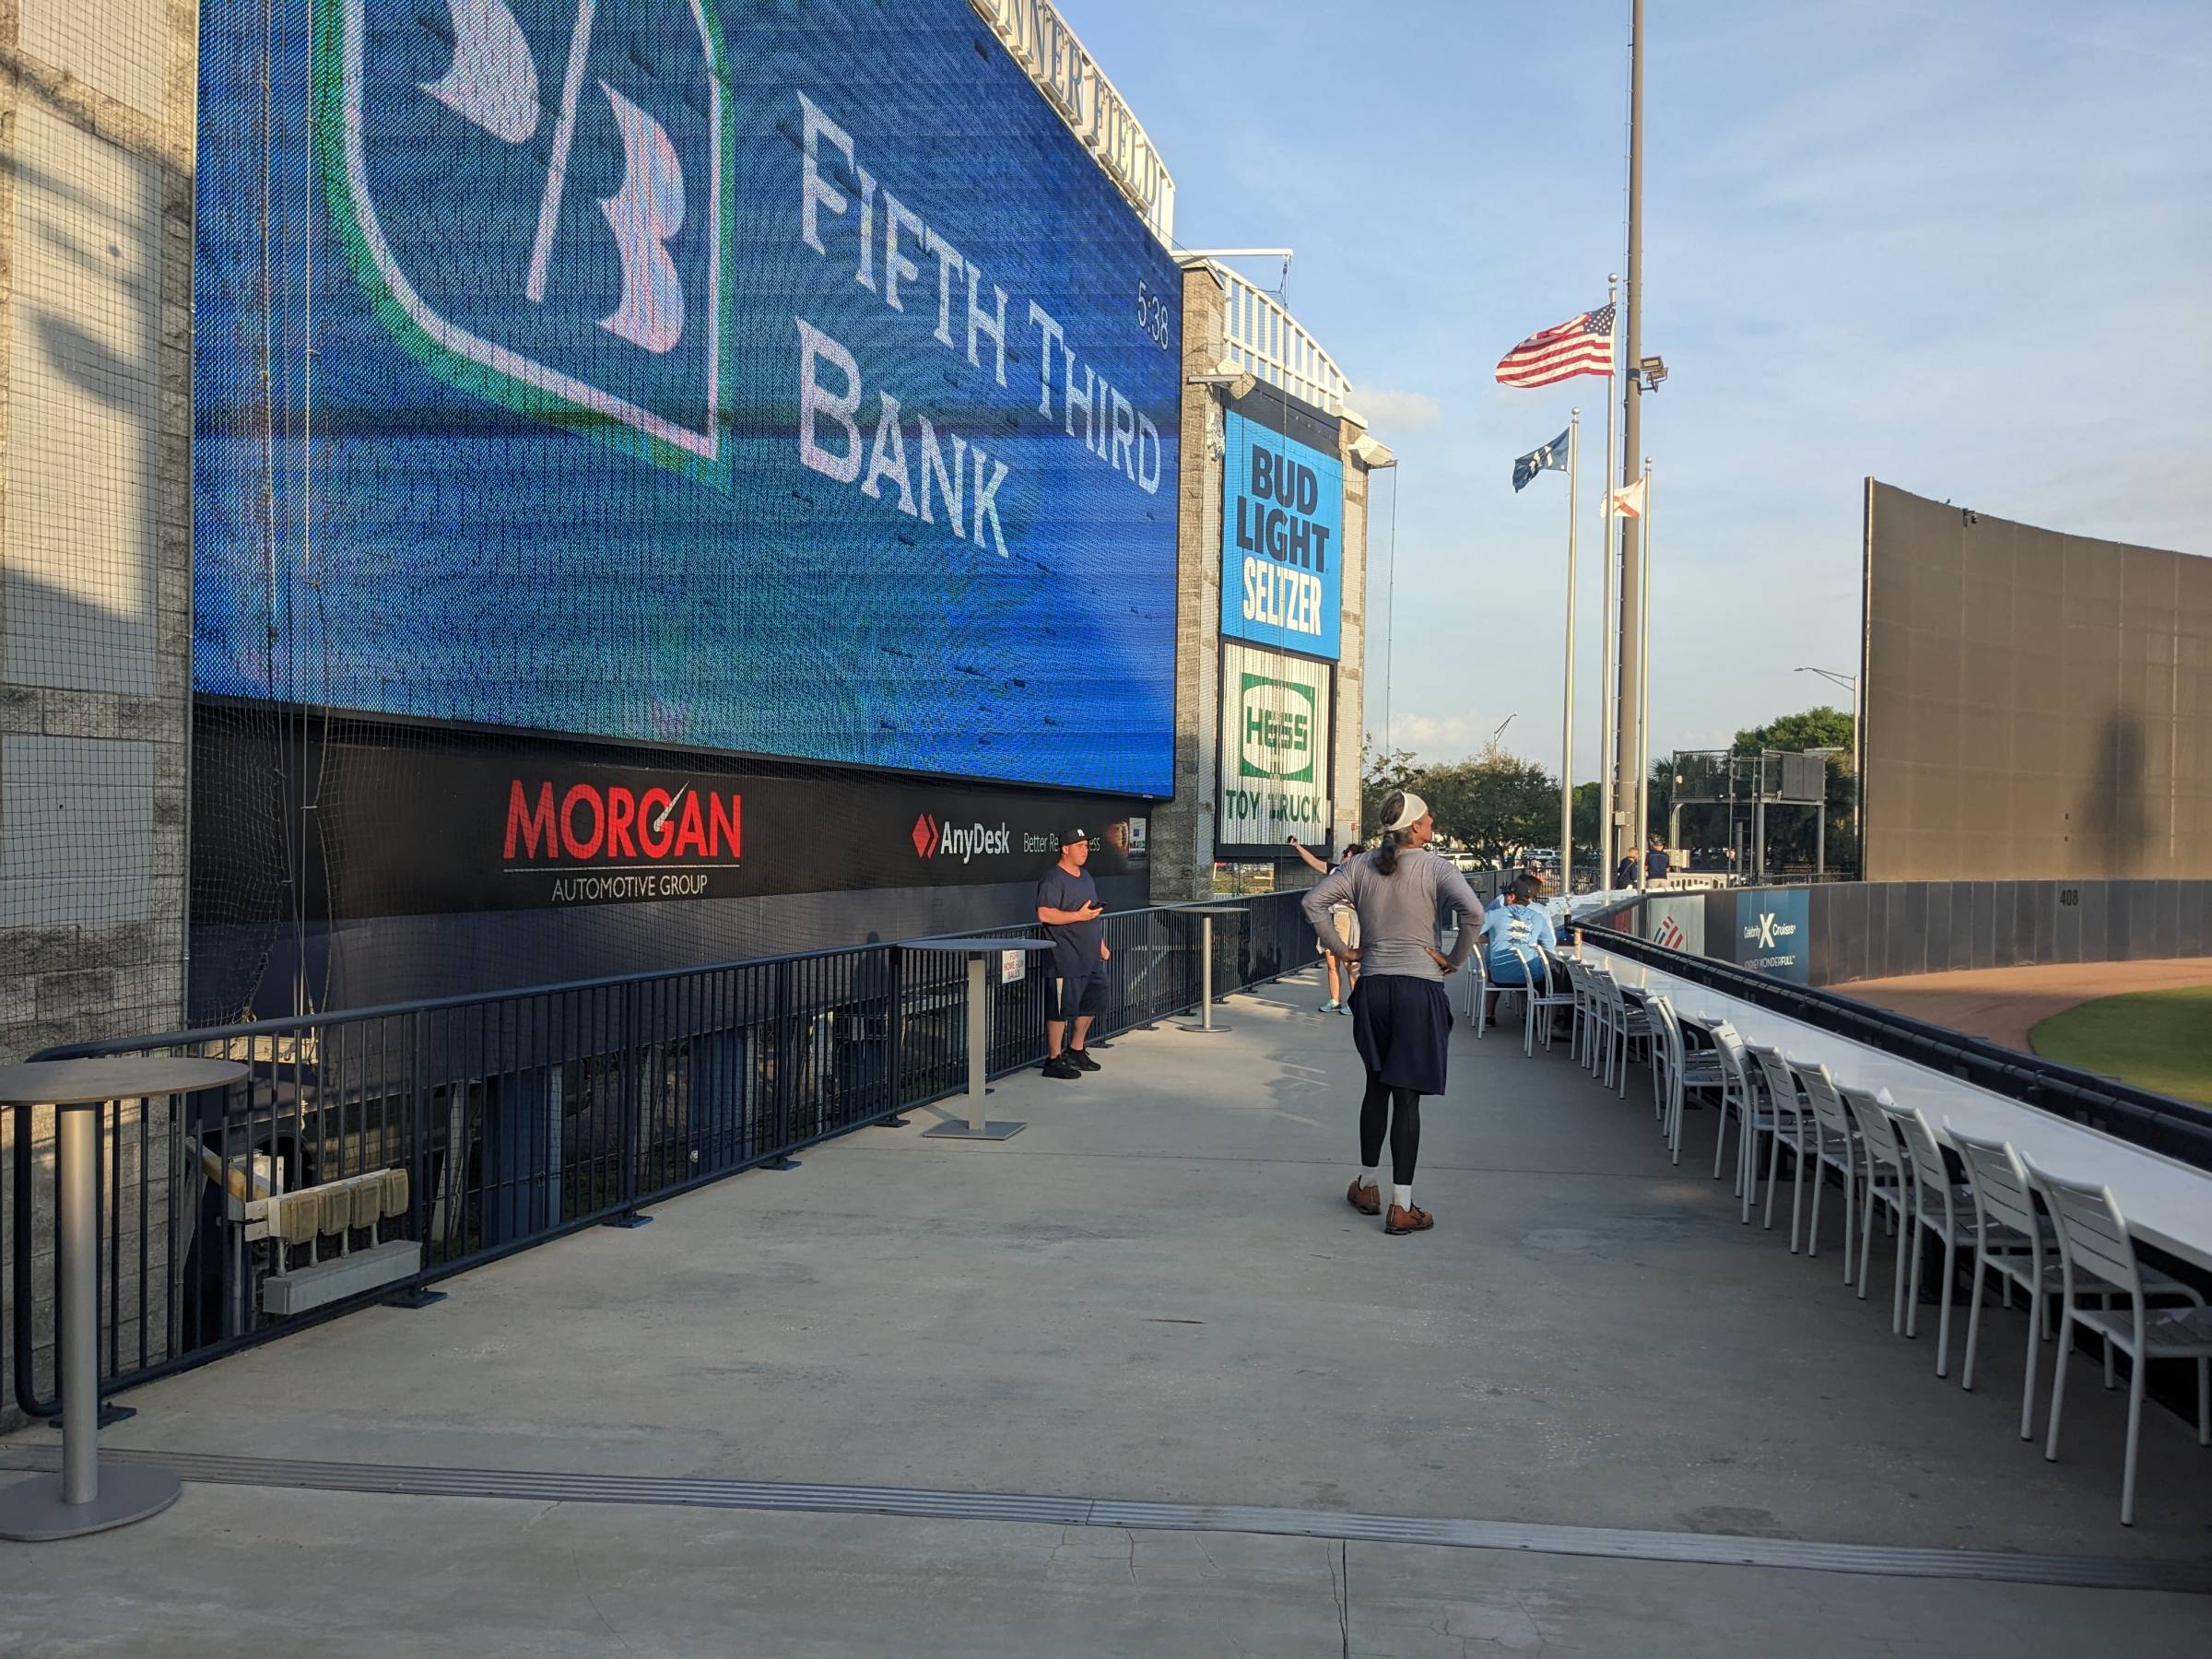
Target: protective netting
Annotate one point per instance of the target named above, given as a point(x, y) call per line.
point(589, 394)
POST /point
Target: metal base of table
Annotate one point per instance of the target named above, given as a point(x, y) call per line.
point(1213, 1030)
point(31, 1512)
point(961, 1129)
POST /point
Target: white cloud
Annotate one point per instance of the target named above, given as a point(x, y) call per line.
point(1441, 737)
point(1395, 411)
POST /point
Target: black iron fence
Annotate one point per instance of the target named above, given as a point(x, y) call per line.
point(372, 1152)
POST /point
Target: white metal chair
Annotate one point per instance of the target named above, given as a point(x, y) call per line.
point(2008, 1235)
point(1538, 996)
point(1888, 1186)
point(1600, 996)
point(2093, 1240)
point(1578, 982)
point(1583, 976)
point(1737, 1095)
point(1836, 1146)
point(1624, 1026)
point(1784, 1116)
point(1788, 1118)
point(1939, 1206)
point(1675, 1070)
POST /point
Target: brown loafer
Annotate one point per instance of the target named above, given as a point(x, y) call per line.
point(1367, 1200)
point(1405, 1220)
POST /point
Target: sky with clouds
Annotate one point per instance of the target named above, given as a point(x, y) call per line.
point(1964, 249)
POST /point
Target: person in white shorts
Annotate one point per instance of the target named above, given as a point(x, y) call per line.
point(1343, 973)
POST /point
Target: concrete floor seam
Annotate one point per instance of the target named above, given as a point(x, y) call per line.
point(2189, 1577)
point(1431, 1165)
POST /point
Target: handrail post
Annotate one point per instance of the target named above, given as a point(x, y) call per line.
point(782, 1105)
point(894, 1031)
point(626, 1042)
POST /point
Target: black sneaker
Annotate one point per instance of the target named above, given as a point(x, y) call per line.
point(1058, 1067)
point(1081, 1061)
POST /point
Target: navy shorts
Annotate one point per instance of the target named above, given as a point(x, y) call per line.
point(1402, 1027)
point(1087, 996)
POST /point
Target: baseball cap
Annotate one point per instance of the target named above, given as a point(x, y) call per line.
point(1073, 834)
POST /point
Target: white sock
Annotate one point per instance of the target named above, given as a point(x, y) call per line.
point(1402, 1196)
point(1366, 1177)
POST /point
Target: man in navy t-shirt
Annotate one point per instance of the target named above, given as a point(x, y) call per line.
point(1067, 903)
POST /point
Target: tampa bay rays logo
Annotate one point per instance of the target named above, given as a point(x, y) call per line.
point(532, 191)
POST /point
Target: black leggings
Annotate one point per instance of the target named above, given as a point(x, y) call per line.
point(1400, 1109)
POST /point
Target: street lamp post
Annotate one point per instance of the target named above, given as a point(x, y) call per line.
point(1858, 777)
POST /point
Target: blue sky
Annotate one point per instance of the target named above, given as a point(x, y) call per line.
point(1967, 250)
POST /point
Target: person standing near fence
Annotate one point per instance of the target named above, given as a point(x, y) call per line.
point(1067, 903)
point(1343, 974)
point(1401, 1020)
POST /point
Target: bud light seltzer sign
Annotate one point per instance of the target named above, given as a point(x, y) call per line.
point(1274, 749)
point(1282, 526)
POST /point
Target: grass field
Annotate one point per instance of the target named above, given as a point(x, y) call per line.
point(2160, 1039)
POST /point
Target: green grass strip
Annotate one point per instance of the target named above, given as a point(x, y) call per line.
point(2157, 1039)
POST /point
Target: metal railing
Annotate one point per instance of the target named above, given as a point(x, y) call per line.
point(1260, 334)
point(2176, 1129)
point(401, 1144)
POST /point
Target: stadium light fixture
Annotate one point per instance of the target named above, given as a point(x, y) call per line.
point(1372, 456)
point(1653, 371)
point(1228, 377)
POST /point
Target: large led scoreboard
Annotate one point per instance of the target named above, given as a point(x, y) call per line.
point(776, 380)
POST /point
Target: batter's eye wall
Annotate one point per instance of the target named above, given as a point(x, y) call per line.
point(2038, 705)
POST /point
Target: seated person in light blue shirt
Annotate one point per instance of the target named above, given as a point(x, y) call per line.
point(1505, 888)
point(1518, 921)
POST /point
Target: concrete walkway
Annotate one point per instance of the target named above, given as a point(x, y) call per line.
point(1153, 1293)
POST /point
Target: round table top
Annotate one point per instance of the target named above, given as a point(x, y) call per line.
point(976, 946)
point(123, 1078)
point(1213, 910)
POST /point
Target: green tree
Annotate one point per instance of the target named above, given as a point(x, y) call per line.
point(1380, 773)
point(1790, 841)
point(1662, 798)
point(1586, 803)
point(1496, 805)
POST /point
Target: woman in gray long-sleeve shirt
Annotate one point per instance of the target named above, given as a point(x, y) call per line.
point(1401, 1020)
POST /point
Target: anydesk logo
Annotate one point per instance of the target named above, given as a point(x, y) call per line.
point(934, 839)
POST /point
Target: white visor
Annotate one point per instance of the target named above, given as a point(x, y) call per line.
point(1410, 813)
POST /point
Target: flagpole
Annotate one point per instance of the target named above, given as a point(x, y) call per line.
point(1631, 387)
point(1574, 436)
point(1643, 693)
point(1608, 709)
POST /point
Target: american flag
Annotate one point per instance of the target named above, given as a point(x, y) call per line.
point(1582, 345)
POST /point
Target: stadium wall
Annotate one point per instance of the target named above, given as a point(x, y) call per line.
point(2038, 706)
point(96, 223)
point(1316, 648)
point(583, 531)
point(1834, 932)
